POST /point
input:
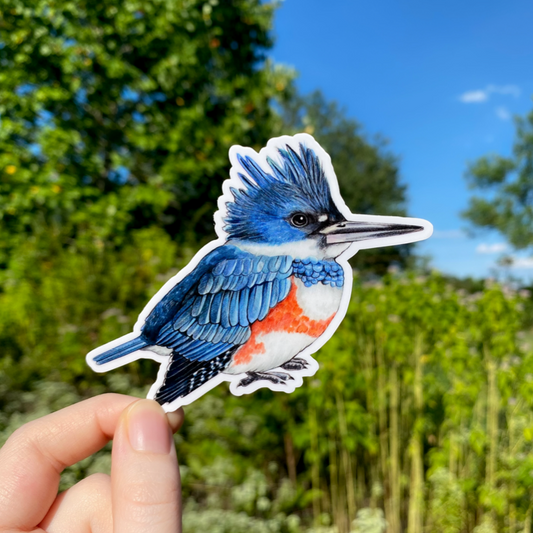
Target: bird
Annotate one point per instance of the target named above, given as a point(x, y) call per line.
point(254, 304)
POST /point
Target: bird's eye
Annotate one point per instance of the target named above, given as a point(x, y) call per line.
point(299, 220)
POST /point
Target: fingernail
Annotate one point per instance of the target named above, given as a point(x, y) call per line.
point(148, 429)
point(175, 419)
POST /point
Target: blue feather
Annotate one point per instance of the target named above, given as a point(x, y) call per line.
point(265, 303)
point(216, 308)
point(218, 335)
point(199, 302)
point(217, 284)
point(239, 267)
point(252, 280)
point(236, 280)
point(285, 288)
point(286, 265)
point(234, 309)
point(166, 335)
point(242, 282)
point(246, 333)
point(227, 283)
point(217, 271)
point(206, 283)
point(169, 337)
point(207, 351)
point(210, 332)
point(275, 263)
point(191, 346)
point(254, 305)
point(184, 322)
point(120, 351)
point(178, 341)
point(229, 268)
point(195, 331)
point(243, 307)
point(184, 310)
point(206, 310)
point(229, 335)
point(246, 266)
point(254, 170)
point(271, 276)
point(246, 181)
point(225, 309)
point(259, 263)
point(275, 293)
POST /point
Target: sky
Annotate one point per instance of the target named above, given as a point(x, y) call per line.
point(441, 80)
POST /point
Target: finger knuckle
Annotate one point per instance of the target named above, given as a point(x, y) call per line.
point(142, 494)
point(21, 437)
point(151, 504)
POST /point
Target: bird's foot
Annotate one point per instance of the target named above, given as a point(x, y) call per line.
point(296, 363)
point(277, 378)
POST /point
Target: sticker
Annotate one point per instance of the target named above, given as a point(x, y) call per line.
point(253, 305)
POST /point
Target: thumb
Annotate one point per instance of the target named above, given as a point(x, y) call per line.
point(146, 490)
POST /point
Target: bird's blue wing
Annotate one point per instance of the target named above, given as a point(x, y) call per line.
point(212, 312)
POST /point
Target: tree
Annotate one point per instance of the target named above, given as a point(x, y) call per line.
point(119, 116)
point(367, 171)
point(115, 125)
point(505, 187)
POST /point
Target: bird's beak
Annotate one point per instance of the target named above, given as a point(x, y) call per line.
point(349, 231)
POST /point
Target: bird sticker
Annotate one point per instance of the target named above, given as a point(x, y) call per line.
point(253, 305)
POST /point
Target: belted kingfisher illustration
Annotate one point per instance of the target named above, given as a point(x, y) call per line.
point(252, 306)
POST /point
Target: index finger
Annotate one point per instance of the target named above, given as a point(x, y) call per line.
point(33, 457)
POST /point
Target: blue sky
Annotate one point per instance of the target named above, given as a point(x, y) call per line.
point(441, 80)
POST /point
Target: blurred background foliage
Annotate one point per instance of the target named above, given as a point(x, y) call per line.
point(116, 122)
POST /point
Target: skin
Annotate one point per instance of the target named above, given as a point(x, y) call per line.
point(142, 494)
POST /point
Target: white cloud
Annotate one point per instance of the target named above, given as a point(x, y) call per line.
point(503, 113)
point(482, 95)
point(471, 97)
point(522, 262)
point(495, 248)
point(449, 234)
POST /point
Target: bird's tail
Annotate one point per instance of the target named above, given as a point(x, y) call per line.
point(184, 376)
point(120, 351)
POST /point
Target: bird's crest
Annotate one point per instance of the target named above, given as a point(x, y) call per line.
point(289, 178)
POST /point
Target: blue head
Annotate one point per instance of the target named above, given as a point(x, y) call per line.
point(286, 205)
point(289, 208)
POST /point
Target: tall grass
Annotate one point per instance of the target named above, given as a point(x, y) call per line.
point(432, 392)
point(419, 420)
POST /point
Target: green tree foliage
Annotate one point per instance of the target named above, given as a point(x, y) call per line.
point(505, 185)
point(115, 125)
point(367, 171)
point(119, 116)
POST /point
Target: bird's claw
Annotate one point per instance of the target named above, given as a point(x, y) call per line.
point(296, 363)
point(278, 378)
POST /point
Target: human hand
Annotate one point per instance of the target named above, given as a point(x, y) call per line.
point(142, 495)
